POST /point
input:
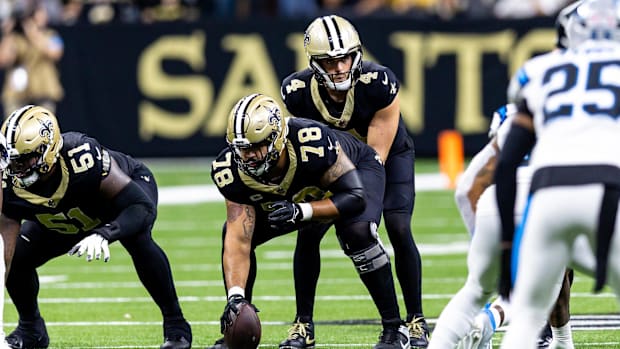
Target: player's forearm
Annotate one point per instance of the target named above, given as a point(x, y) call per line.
point(236, 260)
point(381, 135)
point(477, 177)
point(9, 229)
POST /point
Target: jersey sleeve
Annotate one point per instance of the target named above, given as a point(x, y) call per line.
point(292, 94)
point(383, 85)
point(86, 158)
point(318, 146)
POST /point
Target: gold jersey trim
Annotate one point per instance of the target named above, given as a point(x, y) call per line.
point(277, 189)
point(347, 112)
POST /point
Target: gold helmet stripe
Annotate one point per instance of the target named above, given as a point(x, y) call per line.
point(13, 121)
point(333, 33)
point(240, 112)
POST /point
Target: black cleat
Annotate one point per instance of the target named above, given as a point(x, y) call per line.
point(219, 344)
point(418, 332)
point(300, 336)
point(393, 338)
point(29, 335)
point(177, 334)
point(545, 337)
point(176, 343)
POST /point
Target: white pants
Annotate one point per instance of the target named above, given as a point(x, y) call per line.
point(457, 317)
point(556, 218)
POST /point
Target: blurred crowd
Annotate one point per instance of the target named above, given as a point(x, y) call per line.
point(97, 12)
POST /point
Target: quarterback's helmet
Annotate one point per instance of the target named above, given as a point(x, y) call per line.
point(33, 142)
point(255, 121)
point(333, 37)
point(593, 20)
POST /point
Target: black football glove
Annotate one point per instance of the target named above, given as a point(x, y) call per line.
point(505, 284)
point(232, 310)
point(286, 215)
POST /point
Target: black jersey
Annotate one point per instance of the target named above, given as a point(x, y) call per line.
point(312, 149)
point(376, 89)
point(69, 202)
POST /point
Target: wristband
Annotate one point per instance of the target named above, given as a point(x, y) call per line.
point(306, 211)
point(236, 290)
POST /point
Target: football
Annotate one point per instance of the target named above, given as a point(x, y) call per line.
point(245, 331)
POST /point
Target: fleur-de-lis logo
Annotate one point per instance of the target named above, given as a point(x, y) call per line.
point(47, 130)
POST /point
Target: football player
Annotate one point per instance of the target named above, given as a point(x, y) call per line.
point(475, 197)
point(4, 162)
point(568, 119)
point(347, 93)
point(275, 176)
point(65, 192)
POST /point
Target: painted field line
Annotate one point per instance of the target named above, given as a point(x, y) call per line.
point(194, 194)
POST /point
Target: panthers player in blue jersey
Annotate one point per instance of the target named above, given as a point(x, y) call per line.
point(67, 193)
point(346, 93)
point(275, 176)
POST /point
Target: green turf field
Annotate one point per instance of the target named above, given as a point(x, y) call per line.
point(97, 305)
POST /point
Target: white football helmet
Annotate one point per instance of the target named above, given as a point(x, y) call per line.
point(593, 20)
point(333, 37)
point(560, 24)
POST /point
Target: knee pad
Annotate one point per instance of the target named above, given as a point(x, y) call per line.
point(370, 259)
point(357, 236)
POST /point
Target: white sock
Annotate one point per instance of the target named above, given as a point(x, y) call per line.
point(494, 316)
point(563, 334)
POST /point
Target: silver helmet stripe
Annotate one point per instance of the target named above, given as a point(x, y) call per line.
point(13, 122)
point(333, 33)
point(240, 112)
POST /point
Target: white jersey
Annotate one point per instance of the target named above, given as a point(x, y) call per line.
point(572, 96)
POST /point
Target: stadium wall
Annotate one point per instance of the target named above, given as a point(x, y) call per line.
point(165, 90)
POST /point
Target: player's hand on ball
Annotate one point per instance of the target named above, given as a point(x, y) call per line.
point(241, 326)
point(231, 310)
point(94, 246)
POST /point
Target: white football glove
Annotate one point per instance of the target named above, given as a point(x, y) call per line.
point(93, 245)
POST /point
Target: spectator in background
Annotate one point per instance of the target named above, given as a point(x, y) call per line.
point(527, 9)
point(29, 51)
point(170, 10)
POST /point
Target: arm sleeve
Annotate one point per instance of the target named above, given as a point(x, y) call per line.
point(518, 143)
point(136, 213)
point(348, 193)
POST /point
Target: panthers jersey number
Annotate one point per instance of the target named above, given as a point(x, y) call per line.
point(561, 96)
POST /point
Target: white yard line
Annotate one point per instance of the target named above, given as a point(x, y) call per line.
point(194, 194)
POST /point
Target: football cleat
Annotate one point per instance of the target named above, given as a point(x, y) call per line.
point(300, 335)
point(394, 338)
point(178, 334)
point(481, 334)
point(219, 344)
point(418, 332)
point(545, 338)
point(29, 335)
